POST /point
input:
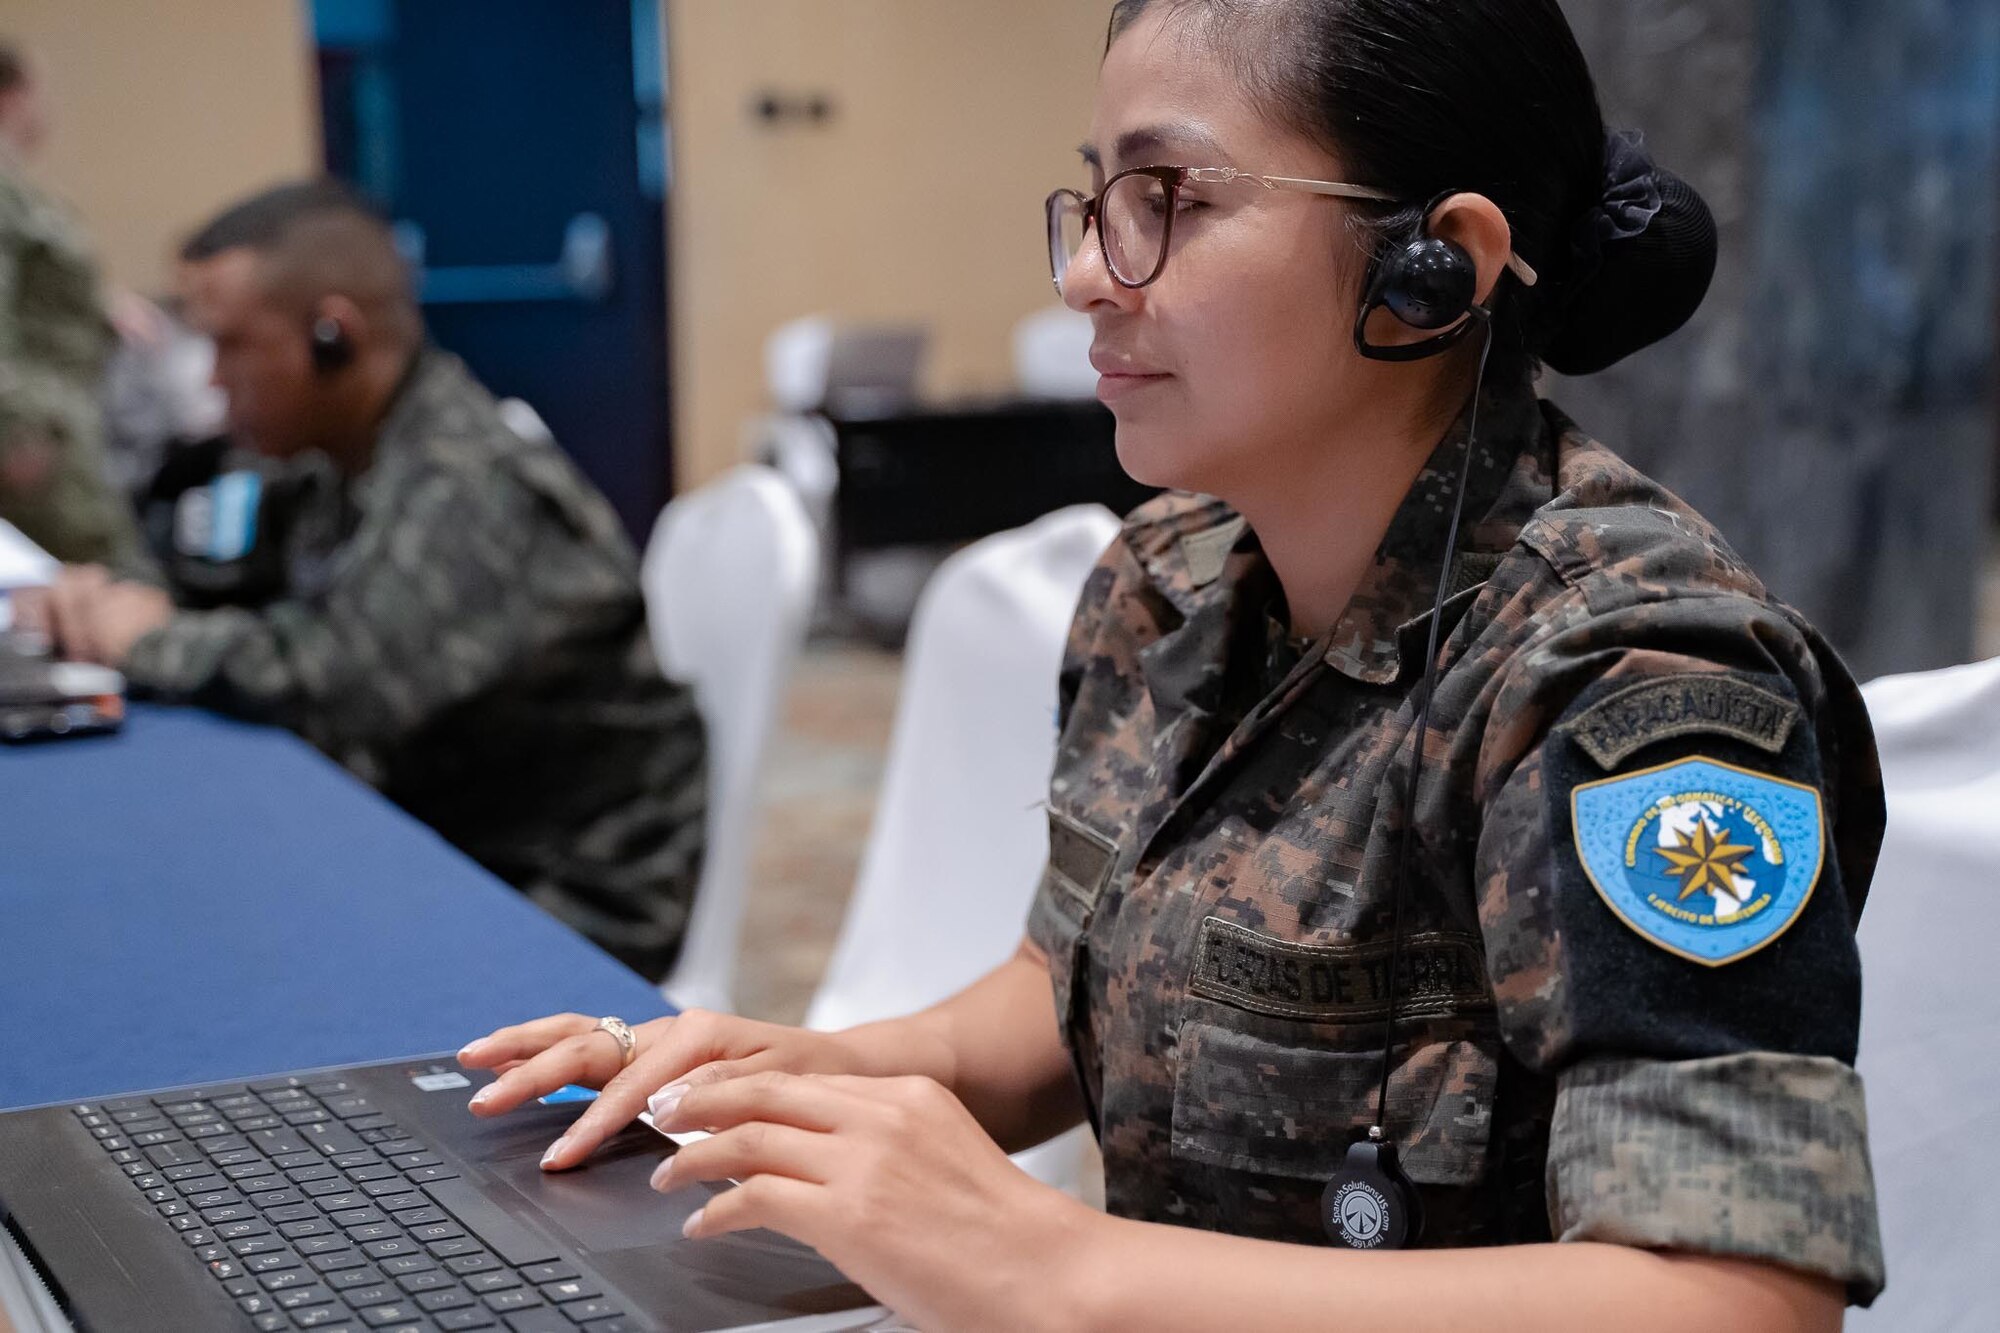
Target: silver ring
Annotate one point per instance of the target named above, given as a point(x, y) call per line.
point(621, 1032)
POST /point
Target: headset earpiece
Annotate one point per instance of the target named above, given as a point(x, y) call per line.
point(331, 349)
point(1426, 282)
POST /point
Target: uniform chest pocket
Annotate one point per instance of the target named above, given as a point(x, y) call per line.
point(1280, 1055)
point(1246, 1102)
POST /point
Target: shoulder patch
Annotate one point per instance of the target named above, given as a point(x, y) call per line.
point(1708, 861)
point(1611, 730)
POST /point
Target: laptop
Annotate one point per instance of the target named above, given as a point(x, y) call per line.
point(873, 367)
point(367, 1199)
point(43, 699)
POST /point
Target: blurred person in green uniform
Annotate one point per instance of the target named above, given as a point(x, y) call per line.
point(56, 334)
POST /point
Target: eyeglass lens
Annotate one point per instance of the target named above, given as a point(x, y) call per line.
point(1133, 219)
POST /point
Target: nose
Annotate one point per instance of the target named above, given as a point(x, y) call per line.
point(1087, 282)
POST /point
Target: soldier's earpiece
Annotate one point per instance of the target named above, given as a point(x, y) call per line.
point(331, 349)
point(1427, 282)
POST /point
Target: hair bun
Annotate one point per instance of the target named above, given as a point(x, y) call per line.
point(1642, 263)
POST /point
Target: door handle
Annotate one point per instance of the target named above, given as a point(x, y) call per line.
point(582, 272)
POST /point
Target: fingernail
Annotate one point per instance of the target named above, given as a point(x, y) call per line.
point(694, 1220)
point(663, 1102)
point(467, 1049)
point(483, 1094)
point(660, 1174)
point(556, 1149)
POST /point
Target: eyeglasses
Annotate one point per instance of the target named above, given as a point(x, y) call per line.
point(1134, 216)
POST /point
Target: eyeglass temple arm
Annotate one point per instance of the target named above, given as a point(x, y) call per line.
point(1516, 265)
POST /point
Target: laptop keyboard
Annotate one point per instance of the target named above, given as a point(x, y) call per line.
point(315, 1211)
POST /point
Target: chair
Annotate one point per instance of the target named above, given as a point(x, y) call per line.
point(960, 838)
point(728, 578)
point(1930, 1020)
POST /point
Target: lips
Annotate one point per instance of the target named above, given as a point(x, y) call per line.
point(1117, 365)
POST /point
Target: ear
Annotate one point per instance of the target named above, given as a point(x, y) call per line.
point(1476, 225)
point(347, 314)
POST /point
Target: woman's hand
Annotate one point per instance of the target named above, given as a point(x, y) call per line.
point(697, 1047)
point(892, 1180)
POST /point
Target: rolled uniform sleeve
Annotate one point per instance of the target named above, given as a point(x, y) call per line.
point(1705, 1101)
point(435, 600)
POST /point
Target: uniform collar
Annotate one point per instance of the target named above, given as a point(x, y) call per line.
point(411, 398)
point(1186, 551)
point(407, 420)
point(1200, 553)
point(1511, 476)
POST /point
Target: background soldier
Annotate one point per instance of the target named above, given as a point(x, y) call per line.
point(55, 338)
point(458, 618)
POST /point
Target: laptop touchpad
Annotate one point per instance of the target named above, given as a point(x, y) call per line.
point(607, 1204)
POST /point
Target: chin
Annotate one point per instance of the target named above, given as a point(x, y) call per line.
point(1168, 456)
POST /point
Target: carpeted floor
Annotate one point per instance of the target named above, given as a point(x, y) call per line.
point(819, 796)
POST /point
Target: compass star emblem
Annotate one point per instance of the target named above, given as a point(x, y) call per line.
point(1705, 859)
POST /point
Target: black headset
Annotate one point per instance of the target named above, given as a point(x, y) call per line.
point(1428, 283)
point(332, 349)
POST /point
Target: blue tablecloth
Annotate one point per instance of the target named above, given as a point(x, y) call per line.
point(196, 899)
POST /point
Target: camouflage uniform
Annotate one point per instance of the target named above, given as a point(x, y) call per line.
point(54, 343)
point(463, 629)
point(1224, 820)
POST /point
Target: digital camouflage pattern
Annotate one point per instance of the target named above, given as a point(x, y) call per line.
point(55, 341)
point(1225, 814)
point(463, 628)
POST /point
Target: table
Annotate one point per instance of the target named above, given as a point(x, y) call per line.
point(196, 900)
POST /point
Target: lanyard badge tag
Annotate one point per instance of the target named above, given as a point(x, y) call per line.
point(1370, 1204)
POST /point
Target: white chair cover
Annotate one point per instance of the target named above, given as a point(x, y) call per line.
point(797, 355)
point(960, 837)
point(1930, 1018)
point(729, 577)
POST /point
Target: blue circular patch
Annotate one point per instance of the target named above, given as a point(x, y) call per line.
point(1706, 860)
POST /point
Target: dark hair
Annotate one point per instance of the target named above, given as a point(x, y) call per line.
point(1423, 97)
point(13, 67)
point(266, 221)
point(319, 237)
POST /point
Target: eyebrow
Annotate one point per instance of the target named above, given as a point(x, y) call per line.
point(1153, 139)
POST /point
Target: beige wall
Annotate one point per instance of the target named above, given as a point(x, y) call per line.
point(921, 199)
point(166, 110)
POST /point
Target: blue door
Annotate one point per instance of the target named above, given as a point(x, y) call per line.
point(519, 144)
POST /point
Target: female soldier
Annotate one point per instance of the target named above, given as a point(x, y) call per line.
point(1605, 992)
